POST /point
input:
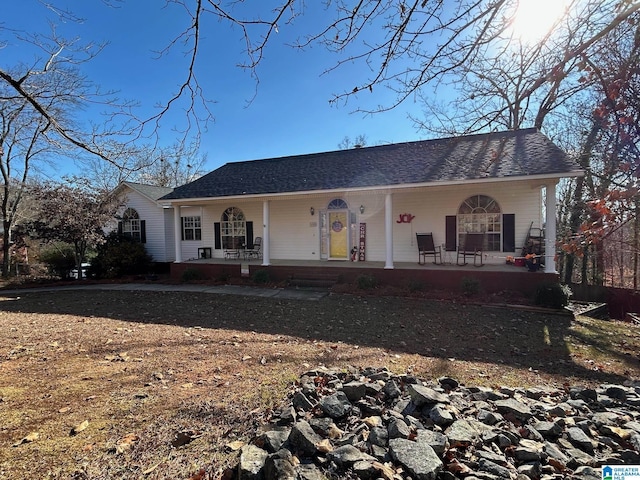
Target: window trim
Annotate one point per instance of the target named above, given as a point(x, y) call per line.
point(191, 228)
point(132, 225)
point(481, 214)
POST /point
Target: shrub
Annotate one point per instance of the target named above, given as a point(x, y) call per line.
point(417, 286)
point(261, 276)
point(59, 257)
point(366, 282)
point(554, 295)
point(470, 286)
point(120, 256)
point(192, 275)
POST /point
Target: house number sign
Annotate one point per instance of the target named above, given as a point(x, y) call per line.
point(405, 218)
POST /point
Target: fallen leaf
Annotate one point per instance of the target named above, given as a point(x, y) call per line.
point(32, 437)
point(235, 445)
point(387, 472)
point(150, 469)
point(126, 442)
point(187, 385)
point(198, 475)
point(324, 446)
point(79, 428)
point(184, 437)
point(64, 410)
point(246, 357)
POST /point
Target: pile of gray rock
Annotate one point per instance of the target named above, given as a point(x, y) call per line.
point(371, 424)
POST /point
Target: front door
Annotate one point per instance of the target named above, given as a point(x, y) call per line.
point(338, 235)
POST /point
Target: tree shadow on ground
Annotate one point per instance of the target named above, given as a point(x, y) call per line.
point(440, 330)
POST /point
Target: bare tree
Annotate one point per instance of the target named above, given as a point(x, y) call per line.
point(26, 138)
point(402, 45)
point(169, 166)
point(358, 142)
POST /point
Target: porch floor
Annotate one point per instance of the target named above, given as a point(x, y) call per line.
point(338, 264)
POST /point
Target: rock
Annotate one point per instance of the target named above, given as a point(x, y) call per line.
point(354, 391)
point(347, 455)
point(421, 395)
point(465, 432)
point(512, 406)
point(397, 428)
point(303, 438)
point(301, 401)
point(441, 416)
point(418, 459)
point(252, 460)
point(578, 438)
point(437, 441)
point(273, 440)
point(493, 468)
point(391, 390)
point(353, 425)
point(549, 430)
point(280, 465)
point(336, 405)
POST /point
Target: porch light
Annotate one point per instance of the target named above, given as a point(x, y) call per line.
point(361, 208)
point(312, 211)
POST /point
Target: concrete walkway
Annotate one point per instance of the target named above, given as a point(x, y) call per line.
point(281, 293)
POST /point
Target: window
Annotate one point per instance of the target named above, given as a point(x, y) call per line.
point(481, 214)
point(191, 228)
point(131, 225)
point(337, 204)
point(233, 228)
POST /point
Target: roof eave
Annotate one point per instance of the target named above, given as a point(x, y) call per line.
point(380, 188)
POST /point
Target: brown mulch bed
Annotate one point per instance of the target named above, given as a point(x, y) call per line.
point(148, 370)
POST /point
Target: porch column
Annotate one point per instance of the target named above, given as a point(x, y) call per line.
point(266, 260)
point(388, 231)
point(177, 233)
point(550, 230)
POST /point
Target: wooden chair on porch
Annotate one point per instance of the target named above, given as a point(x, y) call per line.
point(472, 244)
point(426, 247)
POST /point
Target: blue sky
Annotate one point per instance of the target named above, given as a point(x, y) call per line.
point(290, 115)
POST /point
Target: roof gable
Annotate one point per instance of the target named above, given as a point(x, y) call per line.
point(508, 154)
point(152, 192)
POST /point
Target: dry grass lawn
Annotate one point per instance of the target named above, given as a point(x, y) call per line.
point(106, 385)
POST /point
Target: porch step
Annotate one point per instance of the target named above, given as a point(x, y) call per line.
point(316, 280)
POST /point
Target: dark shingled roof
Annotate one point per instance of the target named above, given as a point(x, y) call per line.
point(494, 155)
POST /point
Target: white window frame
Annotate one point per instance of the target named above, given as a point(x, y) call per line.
point(192, 228)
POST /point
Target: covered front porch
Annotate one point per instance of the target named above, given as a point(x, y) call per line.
point(492, 277)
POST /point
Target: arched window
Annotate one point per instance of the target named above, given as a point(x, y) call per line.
point(337, 204)
point(481, 214)
point(131, 225)
point(233, 228)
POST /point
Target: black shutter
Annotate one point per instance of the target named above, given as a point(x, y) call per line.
point(217, 236)
point(451, 233)
point(143, 231)
point(182, 228)
point(508, 232)
point(119, 229)
point(249, 235)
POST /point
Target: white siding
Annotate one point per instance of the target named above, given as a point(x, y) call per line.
point(295, 233)
point(154, 217)
point(189, 248)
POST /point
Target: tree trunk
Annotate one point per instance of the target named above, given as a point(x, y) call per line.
point(6, 248)
point(577, 206)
